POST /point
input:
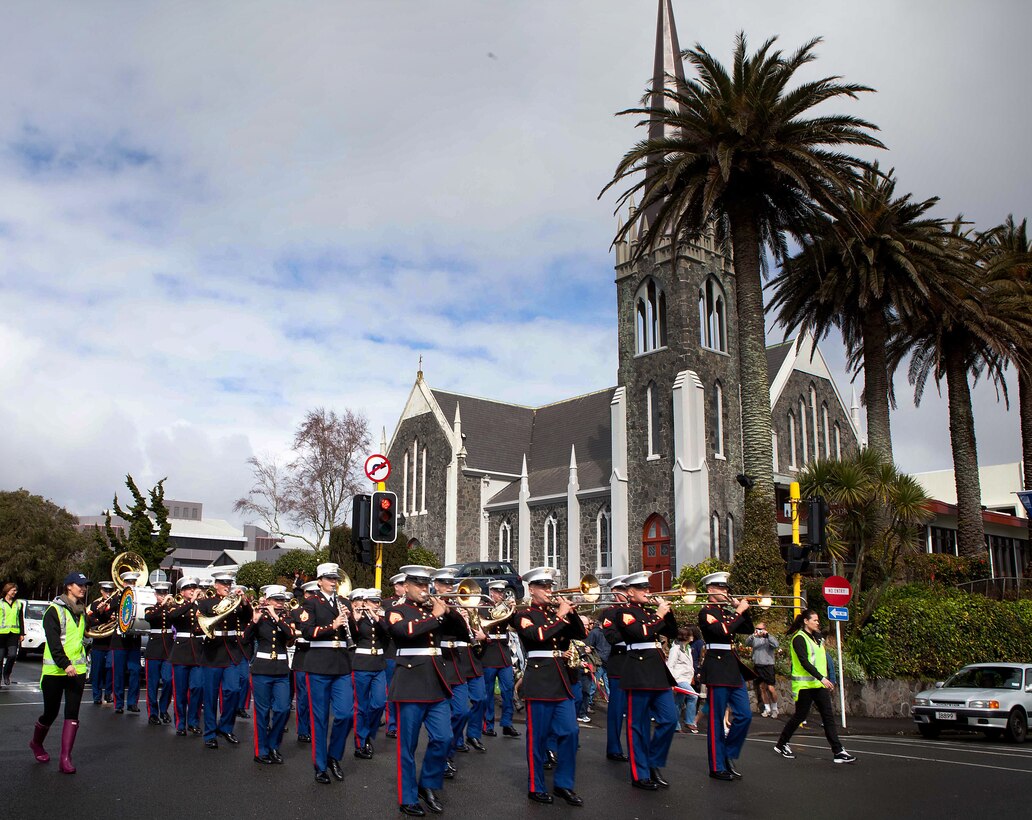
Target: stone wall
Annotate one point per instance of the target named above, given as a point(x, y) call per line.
point(467, 533)
point(538, 515)
point(798, 387)
point(882, 698)
point(428, 528)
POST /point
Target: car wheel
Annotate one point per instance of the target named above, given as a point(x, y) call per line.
point(994, 734)
point(929, 731)
point(1017, 726)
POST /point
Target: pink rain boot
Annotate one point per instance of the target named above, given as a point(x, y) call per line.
point(67, 742)
point(39, 734)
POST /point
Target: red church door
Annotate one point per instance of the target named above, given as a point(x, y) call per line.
point(655, 551)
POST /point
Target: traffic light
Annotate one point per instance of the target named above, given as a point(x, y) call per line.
point(364, 553)
point(817, 523)
point(383, 526)
point(360, 515)
point(798, 560)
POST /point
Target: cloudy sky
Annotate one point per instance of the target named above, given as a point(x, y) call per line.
point(218, 215)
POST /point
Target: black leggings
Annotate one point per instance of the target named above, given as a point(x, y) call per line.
point(9, 645)
point(821, 698)
point(54, 686)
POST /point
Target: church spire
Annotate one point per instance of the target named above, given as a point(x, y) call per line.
point(668, 69)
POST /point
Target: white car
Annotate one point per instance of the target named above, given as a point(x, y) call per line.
point(34, 638)
point(993, 698)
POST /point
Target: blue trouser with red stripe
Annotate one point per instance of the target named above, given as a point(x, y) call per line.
point(437, 719)
point(159, 673)
point(506, 682)
point(271, 710)
point(718, 747)
point(126, 663)
point(614, 717)
point(556, 719)
point(370, 698)
point(648, 744)
point(221, 689)
point(459, 714)
point(477, 699)
point(302, 704)
point(336, 692)
point(188, 686)
point(100, 673)
point(392, 723)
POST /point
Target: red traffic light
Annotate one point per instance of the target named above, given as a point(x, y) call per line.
point(385, 502)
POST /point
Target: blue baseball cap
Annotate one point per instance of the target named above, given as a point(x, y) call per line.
point(76, 578)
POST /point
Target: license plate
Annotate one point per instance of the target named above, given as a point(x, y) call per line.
point(945, 715)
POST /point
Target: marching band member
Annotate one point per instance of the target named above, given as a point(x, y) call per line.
point(546, 629)
point(327, 624)
point(187, 680)
point(398, 584)
point(271, 630)
point(454, 636)
point(243, 665)
point(371, 638)
point(99, 613)
point(651, 717)
point(420, 690)
point(159, 649)
point(497, 663)
point(724, 675)
point(617, 707)
point(302, 702)
point(125, 658)
point(219, 667)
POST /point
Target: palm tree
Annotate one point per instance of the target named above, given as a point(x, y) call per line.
point(866, 261)
point(742, 158)
point(983, 325)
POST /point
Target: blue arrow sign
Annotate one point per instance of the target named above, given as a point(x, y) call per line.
point(838, 613)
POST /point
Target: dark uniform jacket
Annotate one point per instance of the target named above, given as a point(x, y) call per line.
point(719, 625)
point(271, 638)
point(98, 614)
point(618, 650)
point(644, 667)
point(186, 651)
point(316, 616)
point(459, 632)
point(159, 644)
point(243, 615)
point(546, 678)
point(300, 642)
point(224, 649)
point(496, 654)
point(417, 678)
point(371, 641)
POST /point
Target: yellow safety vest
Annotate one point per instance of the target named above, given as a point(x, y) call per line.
point(801, 679)
point(72, 633)
point(9, 616)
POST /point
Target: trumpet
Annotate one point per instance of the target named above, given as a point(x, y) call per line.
point(765, 599)
point(686, 592)
point(467, 595)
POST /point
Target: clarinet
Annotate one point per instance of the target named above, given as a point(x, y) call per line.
point(342, 610)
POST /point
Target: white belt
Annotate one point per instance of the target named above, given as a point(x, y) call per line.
point(368, 650)
point(271, 656)
point(545, 653)
point(433, 650)
point(497, 637)
point(339, 644)
point(719, 646)
point(637, 646)
point(229, 634)
point(187, 637)
point(158, 631)
point(454, 644)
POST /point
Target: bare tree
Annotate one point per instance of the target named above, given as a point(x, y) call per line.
point(310, 495)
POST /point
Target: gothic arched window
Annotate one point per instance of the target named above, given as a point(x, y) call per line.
point(715, 536)
point(712, 315)
point(652, 421)
point(718, 421)
point(730, 537)
point(827, 430)
point(505, 542)
point(552, 542)
point(604, 538)
point(650, 309)
point(792, 437)
point(802, 430)
point(816, 425)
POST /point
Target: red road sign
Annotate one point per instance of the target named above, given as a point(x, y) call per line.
point(837, 590)
point(377, 468)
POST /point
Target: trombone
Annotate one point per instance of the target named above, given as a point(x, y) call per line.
point(590, 590)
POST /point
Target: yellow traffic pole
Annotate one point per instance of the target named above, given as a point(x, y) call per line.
point(793, 495)
point(377, 579)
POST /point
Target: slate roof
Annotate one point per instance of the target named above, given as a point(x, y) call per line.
point(776, 355)
point(497, 434)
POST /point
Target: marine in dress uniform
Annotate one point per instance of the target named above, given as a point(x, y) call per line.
point(270, 631)
point(497, 663)
point(125, 662)
point(159, 650)
point(651, 716)
point(617, 706)
point(420, 690)
point(327, 624)
point(220, 667)
point(724, 675)
point(455, 635)
point(546, 629)
point(302, 701)
point(98, 613)
point(370, 668)
point(243, 664)
point(398, 583)
point(187, 680)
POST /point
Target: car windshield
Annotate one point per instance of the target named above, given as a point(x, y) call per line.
point(34, 612)
point(986, 677)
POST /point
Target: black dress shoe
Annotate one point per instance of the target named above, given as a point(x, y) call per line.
point(181, 732)
point(490, 733)
point(618, 758)
point(243, 714)
point(412, 809)
point(449, 770)
point(430, 798)
point(154, 720)
point(109, 699)
point(725, 776)
point(265, 759)
point(304, 738)
point(657, 777)
point(211, 744)
point(336, 770)
point(729, 766)
point(392, 733)
point(119, 711)
point(194, 730)
point(133, 709)
point(569, 795)
point(462, 747)
point(476, 743)
point(540, 797)
point(550, 760)
point(647, 785)
point(276, 756)
point(364, 753)
point(166, 717)
point(509, 731)
point(368, 746)
point(322, 777)
point(230, 737)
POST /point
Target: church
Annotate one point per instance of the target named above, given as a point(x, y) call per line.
point(642, 475)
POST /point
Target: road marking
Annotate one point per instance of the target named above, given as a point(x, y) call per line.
point(26, 703)
point(906, 757)
point(945, 746)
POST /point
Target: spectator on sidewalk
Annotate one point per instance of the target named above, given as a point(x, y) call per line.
point(598, 644)
point(679, 662)
point(764, 645)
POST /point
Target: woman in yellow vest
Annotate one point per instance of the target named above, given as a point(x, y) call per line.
point(12, 630)
point(64, 668)
point(810, 685)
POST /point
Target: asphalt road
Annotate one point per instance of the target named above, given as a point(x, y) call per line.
point(128, 769)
